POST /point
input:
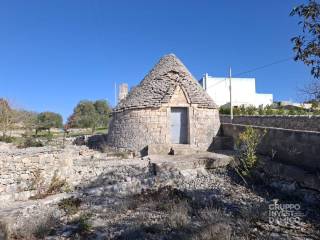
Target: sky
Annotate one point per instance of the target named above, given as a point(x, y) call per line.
point(55, 53)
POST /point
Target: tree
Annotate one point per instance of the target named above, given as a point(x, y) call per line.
point(26, 120)
point(6, 116)
point(307, 44)
point(84, 116)
point(47, 120)
point(103, 109)
point(88, 114)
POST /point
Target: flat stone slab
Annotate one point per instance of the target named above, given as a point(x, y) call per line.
point(179, 149)
point(206, 160)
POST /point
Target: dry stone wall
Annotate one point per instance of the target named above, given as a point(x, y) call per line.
point(136, 129)
point(206, 124)
point(293, 147)
point(26, 172)
point(309, 123)
point(20, 167)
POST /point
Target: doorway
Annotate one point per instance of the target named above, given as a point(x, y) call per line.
point(179, 125)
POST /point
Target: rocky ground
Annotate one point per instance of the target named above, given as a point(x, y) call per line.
point(128, 199)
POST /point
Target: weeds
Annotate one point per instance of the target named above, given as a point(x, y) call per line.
point(83, 224)
point(70, 205)
point(37, 182)
point(57, 185)
point(178, 215)
point(216, 231)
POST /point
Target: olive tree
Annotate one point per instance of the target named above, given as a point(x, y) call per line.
point(47, 120)
point(88, 114)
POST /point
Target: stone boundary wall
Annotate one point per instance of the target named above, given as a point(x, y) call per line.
point(293, 147)
point(20, 167)
point(25, 172)
point(309, 123)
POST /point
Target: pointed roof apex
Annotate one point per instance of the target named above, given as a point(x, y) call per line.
point(159, 85)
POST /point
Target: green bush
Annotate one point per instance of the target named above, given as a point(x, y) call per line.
point(268, 110)
point(251, 110)
point(236, 111)
point(7, 139)
point(30, 142)
point(261, 111)
point(247, 146)
point(224, 111)
point(280, 111)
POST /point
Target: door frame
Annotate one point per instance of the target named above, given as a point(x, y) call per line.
point(187, 123)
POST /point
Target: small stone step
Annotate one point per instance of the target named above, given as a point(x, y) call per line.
point(173, 149)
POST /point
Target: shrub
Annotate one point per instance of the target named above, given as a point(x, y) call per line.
point(281, 111)
point(83, 224)
point(261, 111)
point(37, 183)
point(45, 228)
point(268, 110)
point(224, 111)
point(242, 110)
point(70, 205)
point(247, 145)
point(251, 110)
point(57, 185)
point(236, 111)
point(7, 139)
point(30, 142)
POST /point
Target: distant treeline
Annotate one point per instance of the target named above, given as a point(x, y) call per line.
point(86, 114)
point(271, 110)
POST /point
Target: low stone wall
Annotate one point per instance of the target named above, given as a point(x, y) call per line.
point(25, 172)
point(293, 147)
point(20, 169)
point(310, 123)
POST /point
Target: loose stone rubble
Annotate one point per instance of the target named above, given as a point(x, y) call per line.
point(136, 198)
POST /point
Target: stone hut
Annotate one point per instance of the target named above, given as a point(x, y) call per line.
point(168, 107)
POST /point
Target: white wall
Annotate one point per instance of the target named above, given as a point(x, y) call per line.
point(243, 91)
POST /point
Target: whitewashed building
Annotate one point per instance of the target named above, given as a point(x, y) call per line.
point(243, 91)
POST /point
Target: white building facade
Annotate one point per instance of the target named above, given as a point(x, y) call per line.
point(243, 91)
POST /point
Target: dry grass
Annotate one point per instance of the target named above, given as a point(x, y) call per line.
point(217, 231)
point(70, 205)
point(178, 216)
point(57, 185)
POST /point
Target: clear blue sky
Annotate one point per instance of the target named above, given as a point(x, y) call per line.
point(55, 53)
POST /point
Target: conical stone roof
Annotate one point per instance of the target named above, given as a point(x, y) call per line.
point(159, 86)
